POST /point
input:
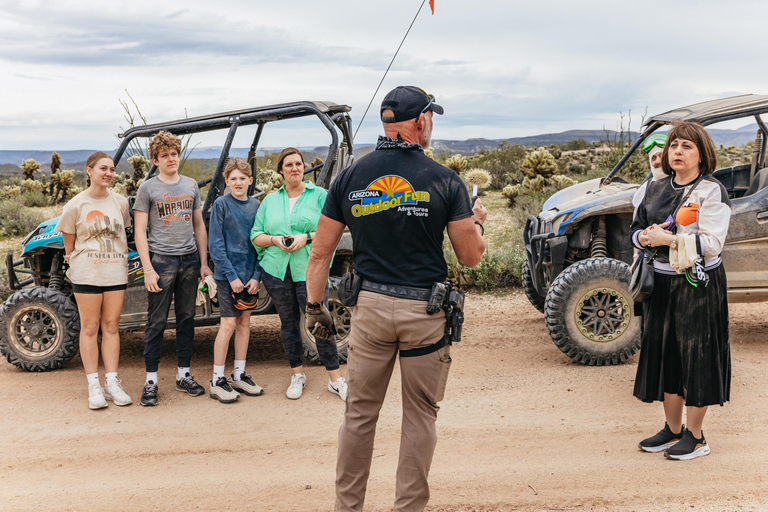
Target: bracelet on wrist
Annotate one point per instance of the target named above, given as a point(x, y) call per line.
point(482, 229)
point(147, 270)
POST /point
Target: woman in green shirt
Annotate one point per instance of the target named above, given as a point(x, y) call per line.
point(284, 226)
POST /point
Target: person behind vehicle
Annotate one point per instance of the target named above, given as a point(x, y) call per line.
point(282, 233)
point(96, 249)
point(653, 146)
point(172, 244)
point(397, 203)
point(236, 270)
point(685, 357)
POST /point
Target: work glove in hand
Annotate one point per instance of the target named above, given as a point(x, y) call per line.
point(319, 321)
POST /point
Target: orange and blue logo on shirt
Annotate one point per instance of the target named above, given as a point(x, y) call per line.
point(385, 193)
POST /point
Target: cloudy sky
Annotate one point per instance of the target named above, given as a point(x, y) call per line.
point(501, 68)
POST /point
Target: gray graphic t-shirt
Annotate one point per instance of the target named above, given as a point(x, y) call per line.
point(170, 208)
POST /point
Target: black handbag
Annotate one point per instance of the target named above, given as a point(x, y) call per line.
point(641, 278)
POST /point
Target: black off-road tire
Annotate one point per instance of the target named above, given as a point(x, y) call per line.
point(342, 316)
point(39, 329)
point(590, 314)
point(534, 298)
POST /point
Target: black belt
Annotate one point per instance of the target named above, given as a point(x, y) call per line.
point(393, 290)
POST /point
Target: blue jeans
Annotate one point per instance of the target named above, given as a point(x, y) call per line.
point(179, 276)
point(290, 298)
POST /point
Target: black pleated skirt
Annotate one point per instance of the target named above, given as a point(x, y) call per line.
point(685, 349)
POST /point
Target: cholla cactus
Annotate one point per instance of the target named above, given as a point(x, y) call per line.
point(29, 167)
point(561, 181)
point(62, 183)
point(539, 162)
point(430, 152)
point(139, 164)
point(457, 163)
point(73, 191)
point(536, 184)
point(11, 191)
point(55, 162)
point(31, 185)
point(268, 180)
point(479, 177)
point(511, 192)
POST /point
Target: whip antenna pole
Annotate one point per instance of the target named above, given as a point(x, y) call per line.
point(387, 71)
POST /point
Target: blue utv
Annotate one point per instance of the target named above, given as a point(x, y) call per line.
point(578, 250)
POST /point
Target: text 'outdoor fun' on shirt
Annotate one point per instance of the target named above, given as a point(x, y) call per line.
point(100, 257)
point(170, 207)
point(276, 217)
point(397, 203)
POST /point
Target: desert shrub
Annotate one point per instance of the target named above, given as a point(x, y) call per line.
point(36, 198)
point(499, 268)
point(576, 145)
point(633, 170)
point(503, 163)
point(511, 192)
point(560, 182)
point(16, 220)
point(539, 162)
point(536, 184)
point(10, 192)
point(5, 285)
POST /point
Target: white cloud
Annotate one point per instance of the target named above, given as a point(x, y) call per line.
point(500, 68)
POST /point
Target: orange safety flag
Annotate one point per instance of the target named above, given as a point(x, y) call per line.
point(432, 6)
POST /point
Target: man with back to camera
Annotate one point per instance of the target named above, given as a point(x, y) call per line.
point(397, 203)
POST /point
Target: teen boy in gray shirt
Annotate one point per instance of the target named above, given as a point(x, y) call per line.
point(173, 254)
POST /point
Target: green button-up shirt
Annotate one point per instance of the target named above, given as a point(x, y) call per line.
point(275, 218)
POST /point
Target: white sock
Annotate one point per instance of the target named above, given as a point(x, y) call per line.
point(239, 369)
point(110, 377)
point(181, 373)
point(218, 371)
point(92, 377)
point(152, 376)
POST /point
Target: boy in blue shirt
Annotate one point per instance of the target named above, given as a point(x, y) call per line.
point(237, 273)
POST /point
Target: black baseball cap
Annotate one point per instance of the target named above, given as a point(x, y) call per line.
point(408, 102)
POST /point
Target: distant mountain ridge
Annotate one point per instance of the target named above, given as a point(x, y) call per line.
point(736, 137)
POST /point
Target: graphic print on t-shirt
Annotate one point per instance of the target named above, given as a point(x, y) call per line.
point(389, 192)
point(104, 230)
point(171, 208)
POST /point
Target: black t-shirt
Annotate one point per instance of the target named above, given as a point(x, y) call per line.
point(397, 202)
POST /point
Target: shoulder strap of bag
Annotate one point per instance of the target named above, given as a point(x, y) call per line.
point(652, 254)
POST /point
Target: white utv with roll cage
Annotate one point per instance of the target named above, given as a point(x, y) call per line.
point(578, 249)
point(39, 323)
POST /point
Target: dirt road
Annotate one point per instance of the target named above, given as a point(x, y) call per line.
point(521, 428)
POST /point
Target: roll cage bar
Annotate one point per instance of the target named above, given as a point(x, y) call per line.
point(333, 116)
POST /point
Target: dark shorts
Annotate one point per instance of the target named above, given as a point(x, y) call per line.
point(93, 290)
point(226, 301)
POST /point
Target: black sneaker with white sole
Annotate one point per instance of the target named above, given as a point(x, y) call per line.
point(688, 448)
point(149, 394)
point(189, 385)
point(661, 441)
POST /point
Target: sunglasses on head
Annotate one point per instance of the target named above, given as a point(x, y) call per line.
point(431, 100)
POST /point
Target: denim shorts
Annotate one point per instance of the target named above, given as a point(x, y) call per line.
point(226, 301)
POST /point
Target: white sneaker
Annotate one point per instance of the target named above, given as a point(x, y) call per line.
point(298, 381)
point(114, 391)
point(338, 388)
point(96, 396)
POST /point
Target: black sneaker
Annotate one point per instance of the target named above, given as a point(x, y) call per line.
point(661, 441)
point(688, 448)
point(149, 394)
point(246, 385)
point(189, 385)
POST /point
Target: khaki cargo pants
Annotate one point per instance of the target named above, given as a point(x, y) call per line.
point(382, 325)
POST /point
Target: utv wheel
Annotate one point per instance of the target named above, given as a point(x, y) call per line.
point(590, 314)
point(342, 317)
point(534, 298)
point(39, 329)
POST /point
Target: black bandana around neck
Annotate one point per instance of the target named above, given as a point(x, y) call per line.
point(399, 143)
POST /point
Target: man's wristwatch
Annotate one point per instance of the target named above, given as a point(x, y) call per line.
point(309, 237)
point(313, 306)
point(482, 229)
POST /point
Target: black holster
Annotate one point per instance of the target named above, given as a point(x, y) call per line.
point(349, 288)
